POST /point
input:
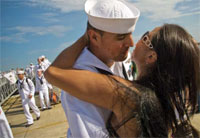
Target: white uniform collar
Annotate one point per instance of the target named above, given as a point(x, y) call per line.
point(22, 80)
point(89, 59)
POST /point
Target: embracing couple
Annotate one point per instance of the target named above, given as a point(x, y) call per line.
point(101, 98)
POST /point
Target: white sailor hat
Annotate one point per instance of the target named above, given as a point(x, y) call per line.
point(115, 16)
point(42, 56)
point(39, 70)
point(20, 72)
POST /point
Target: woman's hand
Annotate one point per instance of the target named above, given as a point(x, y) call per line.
point(68, 56)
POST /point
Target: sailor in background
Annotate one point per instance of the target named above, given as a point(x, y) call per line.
point(5, 131)
point(45, 62)
point(40, 65)
point(31, 73)
point(110, 27)
point(42, 88)
point(26, 90)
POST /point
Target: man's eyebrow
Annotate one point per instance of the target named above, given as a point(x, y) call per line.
point(118, 35)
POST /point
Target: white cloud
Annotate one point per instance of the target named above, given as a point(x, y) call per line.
point(57, 30)
point(153, 9)
point(22, 31)
point(166, 9)
point(17, 38)
point(62, 5)
point(48, 17)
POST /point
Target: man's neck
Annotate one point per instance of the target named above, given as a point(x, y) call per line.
point(107, 62)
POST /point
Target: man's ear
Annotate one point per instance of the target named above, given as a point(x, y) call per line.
point(151, 57)
point(94, 37)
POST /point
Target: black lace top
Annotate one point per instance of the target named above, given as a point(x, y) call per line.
point(148, 112)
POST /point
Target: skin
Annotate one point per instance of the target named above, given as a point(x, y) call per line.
point(94, 87)
point(39, 73)
point(110, 47)
point(39, 60)
point(143, 56)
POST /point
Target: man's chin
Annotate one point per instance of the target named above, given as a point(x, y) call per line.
point(120, 59)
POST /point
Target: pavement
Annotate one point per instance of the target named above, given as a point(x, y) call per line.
point(52, 123)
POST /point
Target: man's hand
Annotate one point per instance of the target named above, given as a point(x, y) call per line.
point(30, 96)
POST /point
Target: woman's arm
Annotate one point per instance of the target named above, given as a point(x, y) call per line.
point(85, 85)
point(68, 56)
point(88, 86)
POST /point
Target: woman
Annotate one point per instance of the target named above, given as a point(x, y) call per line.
point(168, 66)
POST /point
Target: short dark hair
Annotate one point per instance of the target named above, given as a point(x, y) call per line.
point(89, 26)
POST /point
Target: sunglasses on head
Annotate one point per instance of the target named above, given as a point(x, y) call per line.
point(145, 39)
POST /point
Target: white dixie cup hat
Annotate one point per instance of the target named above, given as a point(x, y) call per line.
point(20, 72)
point(114, 16)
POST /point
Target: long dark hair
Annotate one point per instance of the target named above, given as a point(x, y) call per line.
point(175, 78)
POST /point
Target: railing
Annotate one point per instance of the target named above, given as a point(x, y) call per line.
point(6, 90)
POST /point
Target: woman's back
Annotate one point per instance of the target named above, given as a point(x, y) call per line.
point(141, 114)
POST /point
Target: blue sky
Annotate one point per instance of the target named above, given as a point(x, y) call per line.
point(31, 28)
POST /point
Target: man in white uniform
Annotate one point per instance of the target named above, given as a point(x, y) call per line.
point(5, 131)
point(26, 90)
point(106, 18)
point(45, 61)
point(42, 88)
point(40, 65)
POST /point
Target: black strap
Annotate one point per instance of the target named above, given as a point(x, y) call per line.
point(103, 71)
point(124, 72)
point(41, 81)
point(21, 84)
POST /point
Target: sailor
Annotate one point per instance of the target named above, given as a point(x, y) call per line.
point(26, 90)
point(31, 70)
point(40, 65)
point(5, 130)
point(45, 61)
point(42, 89)
point(110, 27)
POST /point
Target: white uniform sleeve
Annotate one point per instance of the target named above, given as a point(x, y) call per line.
point(49, 85)
point(31, 87)
point(37, 85)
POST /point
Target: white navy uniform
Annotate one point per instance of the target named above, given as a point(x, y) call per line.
point(85, 119)
point(5, 130)
point(42, 88)
point(46, 63)
point(39, 66)
point(25, 89)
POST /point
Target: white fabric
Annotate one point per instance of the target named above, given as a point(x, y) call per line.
point(46, 63)
point(28, 89)
point(5, 130)
point(39, 66)
point(44, 94)
point(43, 91)
point(11, 77)
point(20, 72)
point(115, 16)
point(85, 119)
